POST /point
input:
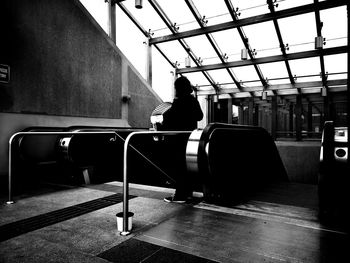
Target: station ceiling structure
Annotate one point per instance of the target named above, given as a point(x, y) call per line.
point(251, 49)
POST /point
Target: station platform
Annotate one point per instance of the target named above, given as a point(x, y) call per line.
point(58, 223)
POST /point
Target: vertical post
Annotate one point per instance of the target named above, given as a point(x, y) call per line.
point(125, 187)
point(326, 109)
point(229, 111)
point(148, 62)
point(111, 20)
point(291, 118)
point(125, 91)
point(256, 115)
point(240, 114)
point(251, 111)
point(274, 117)
point(172, 91)
point(348, 89)
point(263, 117)
point(309, 118)
point(298, 120)
point(10, 201)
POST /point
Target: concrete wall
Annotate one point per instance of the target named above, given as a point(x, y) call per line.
point(301, 160)
point(64, 71)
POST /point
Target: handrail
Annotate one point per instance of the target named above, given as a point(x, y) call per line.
point(125, 171)
point(10, 201)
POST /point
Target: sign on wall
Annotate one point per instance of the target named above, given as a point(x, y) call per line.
point(4, 73)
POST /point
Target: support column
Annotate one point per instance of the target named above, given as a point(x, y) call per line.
point(229, 111)
point(125, 92)
point(298, 120)
point(251, 111)
point(172, 91)
point(148, 62)
point(291, 119)
point(256, 115)
point(274, 117)
point(210, 108)
point(348, 89)
point(111, 21)
point(326, 110)
point(240, 115)
point(309, 119)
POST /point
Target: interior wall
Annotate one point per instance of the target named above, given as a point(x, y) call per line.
point(64, 71)
point(61, 64)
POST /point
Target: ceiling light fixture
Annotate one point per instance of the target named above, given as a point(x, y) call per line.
point(138, 4)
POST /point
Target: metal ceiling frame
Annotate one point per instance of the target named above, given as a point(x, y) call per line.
point(237, 23)
point(304, 9)
point(245, 41)
point(143, 31)
point(319, 34)
point(276, 87)
point(262, 60)
point(211, 39)
point(172, 27)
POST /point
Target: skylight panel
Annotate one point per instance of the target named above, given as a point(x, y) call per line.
point(197, 78)
point(275, 70)
point(201, 46)
point(143, 16)
point(334, 28)
point(247, 73)
point(336, 63)
point(263, 39)
point(213, 14)
point(221, 76)
point(298, 32)
point(308, 68)
point(179, 13)
point(286, 4)
point(250, 8)
point(175, 52)
point(230, 43)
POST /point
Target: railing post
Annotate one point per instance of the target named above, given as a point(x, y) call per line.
point(125, 230)
point(10, 170)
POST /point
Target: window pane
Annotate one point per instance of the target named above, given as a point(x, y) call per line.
point(298, 32)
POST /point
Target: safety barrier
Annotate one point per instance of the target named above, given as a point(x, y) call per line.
point(229, 160)
point(233, 160)
point(149, 134)
point(36, 133)
point(333, 179)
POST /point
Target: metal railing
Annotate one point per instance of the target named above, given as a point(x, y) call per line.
point(14, 136)
point(125, 160)
point(125, 230)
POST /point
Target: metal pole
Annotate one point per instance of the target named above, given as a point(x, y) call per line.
point(125, 230)
point(10, 201)
point(148, 62)
point(111, 20)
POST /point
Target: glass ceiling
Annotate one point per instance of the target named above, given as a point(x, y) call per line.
point(280, 44)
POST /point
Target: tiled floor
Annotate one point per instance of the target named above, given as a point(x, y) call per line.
point(257, 231)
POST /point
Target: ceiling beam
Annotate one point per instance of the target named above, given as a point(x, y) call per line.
point(143, 31)
point(172, 27)
point(301, 85)
point(319, 34)
point(245, 41)
point(304, 9)
point(280, 40)
point(211, 39)
point(290, 56)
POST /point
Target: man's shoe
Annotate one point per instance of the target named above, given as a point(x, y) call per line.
point(175, 199)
